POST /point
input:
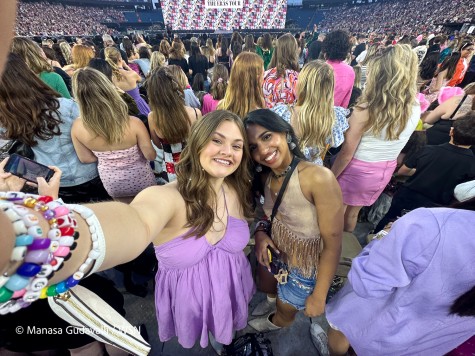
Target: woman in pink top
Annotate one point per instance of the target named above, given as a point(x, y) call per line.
point(280, 81)
point(105, 133)
point(219, 84)
point(336, 47)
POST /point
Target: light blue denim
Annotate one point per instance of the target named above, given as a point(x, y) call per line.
point(297, 289)
point(59, 150)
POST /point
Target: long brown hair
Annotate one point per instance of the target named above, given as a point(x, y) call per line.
point(29, 51)
point(244, 92)
point(177, 51)
point(28, 107)
point(219, 82)
point(285, 55)
point(167, 102)
point(164, 48)
point(193, 182)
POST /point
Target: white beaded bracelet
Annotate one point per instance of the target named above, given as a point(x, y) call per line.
point(98, 250)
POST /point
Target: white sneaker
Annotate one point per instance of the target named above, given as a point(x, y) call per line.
point(319, 339)
point(263, 324)
point(265, 307)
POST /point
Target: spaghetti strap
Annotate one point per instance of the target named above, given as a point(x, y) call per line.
point(196, 114)
point(225, 203)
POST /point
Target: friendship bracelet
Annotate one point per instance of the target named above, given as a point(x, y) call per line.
point(40, 256)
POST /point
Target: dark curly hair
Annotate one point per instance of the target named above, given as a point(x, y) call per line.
point(336, 45)
point(29, 109)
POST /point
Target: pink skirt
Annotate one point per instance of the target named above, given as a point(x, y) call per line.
point(363, 182)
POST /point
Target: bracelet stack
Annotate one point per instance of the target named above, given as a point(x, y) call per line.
point(35, 257)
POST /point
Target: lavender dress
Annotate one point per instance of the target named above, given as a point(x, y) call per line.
point(401, 288)
point(203, 288)
point(141, 103)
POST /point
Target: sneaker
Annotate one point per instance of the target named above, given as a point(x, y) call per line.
point(263, 324)
point(319, 339)
point(264, 308)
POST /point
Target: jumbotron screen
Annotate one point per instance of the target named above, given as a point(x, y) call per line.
point(224, 15)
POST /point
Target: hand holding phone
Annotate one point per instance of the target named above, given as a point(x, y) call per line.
point(27, 169)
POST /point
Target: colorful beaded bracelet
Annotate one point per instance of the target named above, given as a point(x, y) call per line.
point(40, 256)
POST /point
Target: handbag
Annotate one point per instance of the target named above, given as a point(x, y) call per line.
point(249, 345)
point(21, 149)
point(87, 311)
point(278, 268)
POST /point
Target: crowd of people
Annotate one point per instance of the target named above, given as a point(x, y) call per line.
point(53, 19)
point(191, 144)
point(404, 17)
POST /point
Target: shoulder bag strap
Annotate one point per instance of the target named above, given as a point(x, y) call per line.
point(293, 164)
point(458, 107)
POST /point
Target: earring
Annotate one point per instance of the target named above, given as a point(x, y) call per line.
point(292, 145)
point(258, 168)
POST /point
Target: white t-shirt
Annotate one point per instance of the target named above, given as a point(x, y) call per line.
point(377, 149)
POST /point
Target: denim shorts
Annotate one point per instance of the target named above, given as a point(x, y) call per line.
point(296, 290)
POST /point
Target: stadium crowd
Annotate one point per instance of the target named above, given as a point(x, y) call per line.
point(174, 150)
point(48, 19)
point(402, 17)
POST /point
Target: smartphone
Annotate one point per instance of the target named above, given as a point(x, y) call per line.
point(27, 169)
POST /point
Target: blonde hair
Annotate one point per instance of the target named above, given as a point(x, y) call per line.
point(29, 51)
point(66, 52)
point(390, 91)
point(81, 55)
point(209, 44)
point(157, 60)
point(113, 57)
point(244, 92)
point(102, 109)
point(180, 76)
point(316, 117)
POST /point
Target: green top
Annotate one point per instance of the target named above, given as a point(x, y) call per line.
point(265, 54)
point(55, 81)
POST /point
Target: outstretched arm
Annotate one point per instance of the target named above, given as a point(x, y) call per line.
point(128, 229)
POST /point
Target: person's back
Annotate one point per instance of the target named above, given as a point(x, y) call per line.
point(439, 169)
point(124, 166)
point(105, 132)
point(410, 277)
point(376, 148)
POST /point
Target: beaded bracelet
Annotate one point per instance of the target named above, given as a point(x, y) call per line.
point(41, 256)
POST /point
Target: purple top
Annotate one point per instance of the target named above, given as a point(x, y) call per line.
point(202, 287)
point(344, 80)
point(141, 103)
point(401, 288)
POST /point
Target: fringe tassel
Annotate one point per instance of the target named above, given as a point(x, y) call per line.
point(300, 253)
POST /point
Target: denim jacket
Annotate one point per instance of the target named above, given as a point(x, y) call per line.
point(59, 150)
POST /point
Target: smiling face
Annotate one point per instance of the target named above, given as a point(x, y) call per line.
point(222, 155)
point(467, 51)
point(269, 148)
